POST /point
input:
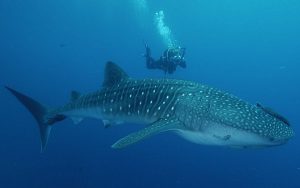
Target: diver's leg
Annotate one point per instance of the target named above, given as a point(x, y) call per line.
point(148, 51)
point(150, 62)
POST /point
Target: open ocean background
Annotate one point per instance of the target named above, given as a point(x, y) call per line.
point(250, 48)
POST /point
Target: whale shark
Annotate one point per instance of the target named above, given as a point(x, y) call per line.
point(197, 112)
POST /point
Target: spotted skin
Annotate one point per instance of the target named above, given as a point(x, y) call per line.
point(195, 105)
point(146, 100)
point(197, 112)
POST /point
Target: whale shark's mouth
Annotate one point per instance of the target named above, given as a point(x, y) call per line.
point(221, 135)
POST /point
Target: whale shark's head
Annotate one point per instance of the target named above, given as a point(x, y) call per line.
point(236, 123)
point(281, 134)
point(267, 127)
point(272, 126)
point(276, 129)
point(264, 134)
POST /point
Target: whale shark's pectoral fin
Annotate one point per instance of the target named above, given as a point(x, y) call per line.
point(158, 126)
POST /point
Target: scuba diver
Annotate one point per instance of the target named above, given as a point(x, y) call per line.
point(168, 62)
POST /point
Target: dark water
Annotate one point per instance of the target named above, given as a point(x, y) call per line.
point(250, 48)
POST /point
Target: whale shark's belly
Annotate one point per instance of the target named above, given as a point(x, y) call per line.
point(221, 135)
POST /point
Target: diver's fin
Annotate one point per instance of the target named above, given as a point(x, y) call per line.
point(39, 112)
point(113, 74)
point(75, 95)
point(159, 126)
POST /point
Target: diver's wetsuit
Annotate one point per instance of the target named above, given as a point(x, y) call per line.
point(168, 62)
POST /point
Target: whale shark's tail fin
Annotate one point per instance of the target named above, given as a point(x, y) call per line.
point(40, 113)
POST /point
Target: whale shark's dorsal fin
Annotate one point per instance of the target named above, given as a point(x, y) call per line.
point(113, 74)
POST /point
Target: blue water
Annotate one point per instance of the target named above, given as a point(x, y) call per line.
point(250, 48)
